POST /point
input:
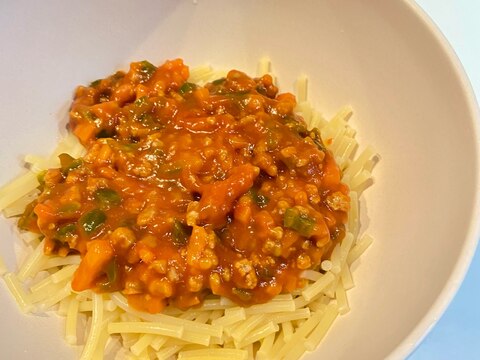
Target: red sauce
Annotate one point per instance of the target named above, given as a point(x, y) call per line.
point(189, 190)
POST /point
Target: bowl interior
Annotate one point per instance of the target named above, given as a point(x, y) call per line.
point(380, 57)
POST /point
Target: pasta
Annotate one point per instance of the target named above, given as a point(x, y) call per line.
point(285, 327)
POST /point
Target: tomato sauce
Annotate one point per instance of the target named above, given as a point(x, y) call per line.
point(190, 190)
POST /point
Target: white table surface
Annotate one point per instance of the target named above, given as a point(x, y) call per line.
point(457, 334)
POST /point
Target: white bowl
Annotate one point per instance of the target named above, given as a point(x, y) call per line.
point(411, 98)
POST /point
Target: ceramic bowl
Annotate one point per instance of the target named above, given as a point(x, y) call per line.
point(386, 59)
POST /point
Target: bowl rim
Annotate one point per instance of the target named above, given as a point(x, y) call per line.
point(411, 342)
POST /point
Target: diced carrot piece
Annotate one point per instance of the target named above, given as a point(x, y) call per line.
point(45, 214)
point(99, 254)
point(85, 132)
point(331, 173)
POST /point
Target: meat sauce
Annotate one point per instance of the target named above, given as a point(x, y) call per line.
point(189, 190)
